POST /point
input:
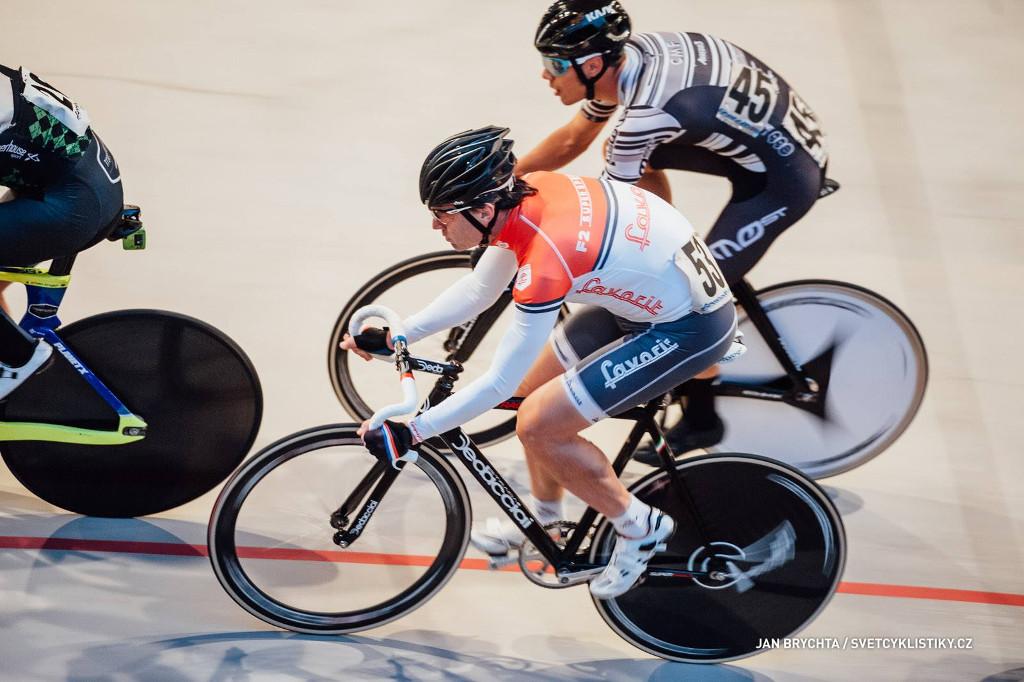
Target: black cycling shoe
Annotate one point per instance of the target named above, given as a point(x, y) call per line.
point(682, 438)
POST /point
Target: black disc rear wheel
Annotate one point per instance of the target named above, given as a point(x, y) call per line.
point(195, 388)
point(771, 540)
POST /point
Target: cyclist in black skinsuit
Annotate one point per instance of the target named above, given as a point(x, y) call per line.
point(67, 193)
point(690, 101)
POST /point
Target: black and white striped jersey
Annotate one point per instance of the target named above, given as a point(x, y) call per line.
point(694, 89)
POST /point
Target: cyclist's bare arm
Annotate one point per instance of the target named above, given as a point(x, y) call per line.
point(561, 146)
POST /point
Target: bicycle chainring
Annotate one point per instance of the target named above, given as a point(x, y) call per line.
point(535, 565)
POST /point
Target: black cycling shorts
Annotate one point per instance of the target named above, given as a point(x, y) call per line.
point(68, 216)
point(762, 205)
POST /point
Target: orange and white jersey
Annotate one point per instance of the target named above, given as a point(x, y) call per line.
point(599, 242)
point(610, 244)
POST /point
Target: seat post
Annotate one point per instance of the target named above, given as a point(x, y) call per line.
point(62, 266)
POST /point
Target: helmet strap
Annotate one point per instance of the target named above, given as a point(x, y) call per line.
point(485, 230)
point(590, 83)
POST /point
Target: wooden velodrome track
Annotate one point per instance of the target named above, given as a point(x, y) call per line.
point(275, 149)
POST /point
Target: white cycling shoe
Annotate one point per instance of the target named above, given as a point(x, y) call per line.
point(630, 557)
point(12, 377)
point(497, 537)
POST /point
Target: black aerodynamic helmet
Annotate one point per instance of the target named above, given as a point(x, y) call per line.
point(469, 168)
point(576, 28)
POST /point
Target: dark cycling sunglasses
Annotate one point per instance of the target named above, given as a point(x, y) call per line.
point(438, 212)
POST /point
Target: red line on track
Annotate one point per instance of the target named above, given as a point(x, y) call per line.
point(937, 593)
point(291, 554)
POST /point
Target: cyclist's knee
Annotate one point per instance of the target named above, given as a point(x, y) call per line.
point(530, 426)
point(547, 415)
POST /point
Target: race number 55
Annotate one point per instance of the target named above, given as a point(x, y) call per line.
point(705, 265)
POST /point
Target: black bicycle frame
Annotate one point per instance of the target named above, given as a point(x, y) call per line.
point(564, 560)
point(803, 386)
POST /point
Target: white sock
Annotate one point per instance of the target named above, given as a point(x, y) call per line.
point(633, 523)
point(548, 511)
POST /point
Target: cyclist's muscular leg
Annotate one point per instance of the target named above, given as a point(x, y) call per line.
point(544, 369)
point(543, 484)
point(548, 426)
point(16, 346)
point(495, 537)
point(746, 228)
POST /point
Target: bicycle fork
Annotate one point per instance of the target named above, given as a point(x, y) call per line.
point(383, 476)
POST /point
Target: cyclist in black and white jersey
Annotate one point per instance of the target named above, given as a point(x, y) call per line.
point(690, 101)
point(66, 191)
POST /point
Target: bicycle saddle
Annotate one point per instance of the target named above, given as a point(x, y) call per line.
point(128, 228)
point(829, 186)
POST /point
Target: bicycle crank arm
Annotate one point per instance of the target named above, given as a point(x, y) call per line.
point(665, 572)
point(577, 577)
point(565, 578)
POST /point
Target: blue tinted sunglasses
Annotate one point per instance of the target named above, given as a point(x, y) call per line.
point(556, 66)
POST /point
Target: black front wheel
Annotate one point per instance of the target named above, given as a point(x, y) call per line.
point(273, 544)
point(766, 543)
point(195, 388)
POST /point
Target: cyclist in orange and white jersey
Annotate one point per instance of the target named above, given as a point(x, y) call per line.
point(658, 312)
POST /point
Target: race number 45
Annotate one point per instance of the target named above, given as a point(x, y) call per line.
point(749, 100)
